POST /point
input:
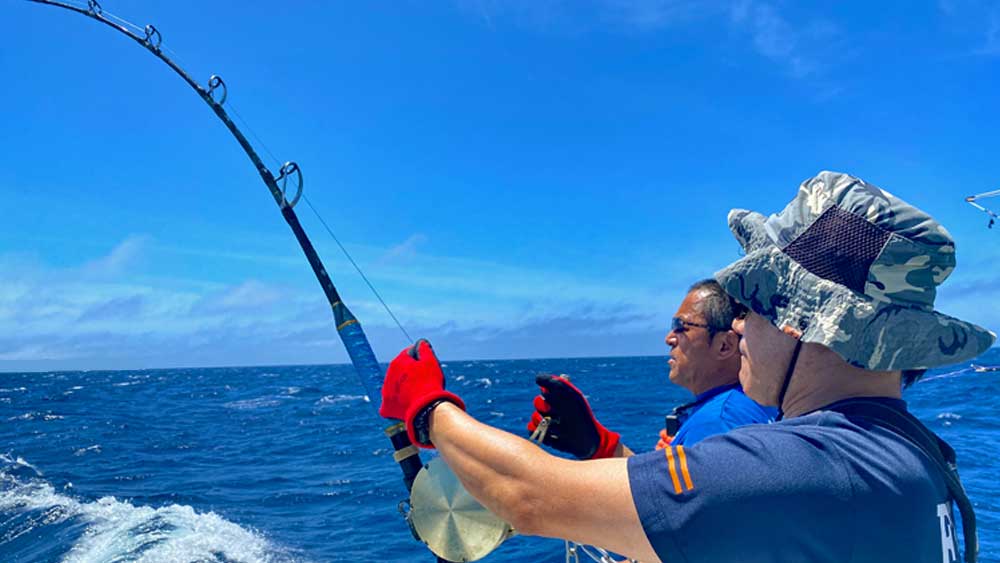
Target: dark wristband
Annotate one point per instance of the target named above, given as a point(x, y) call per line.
point(422, 422)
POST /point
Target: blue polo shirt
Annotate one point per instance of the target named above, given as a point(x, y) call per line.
point(818, 488)
point(719, 410)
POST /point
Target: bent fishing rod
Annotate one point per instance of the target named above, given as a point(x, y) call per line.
point(350, 331)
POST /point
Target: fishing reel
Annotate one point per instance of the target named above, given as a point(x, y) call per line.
point(445, 517)
point(440, 512)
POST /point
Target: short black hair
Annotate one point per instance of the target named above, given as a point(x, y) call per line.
point(718, 308)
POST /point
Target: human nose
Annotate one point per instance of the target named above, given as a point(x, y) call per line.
point(738, 325)
point(671, 338)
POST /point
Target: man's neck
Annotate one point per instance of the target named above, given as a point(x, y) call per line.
point(822, 378)
point(714, 382)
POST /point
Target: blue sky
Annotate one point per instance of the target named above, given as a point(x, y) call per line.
point(519, 179)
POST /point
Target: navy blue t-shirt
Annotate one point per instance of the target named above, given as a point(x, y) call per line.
point(816, 488)
point(720, 410)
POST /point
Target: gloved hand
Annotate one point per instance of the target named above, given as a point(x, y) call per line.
point(413, 383)
point(573, 428)
point(665, 439)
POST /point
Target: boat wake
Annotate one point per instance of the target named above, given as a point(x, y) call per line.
point(38, 523)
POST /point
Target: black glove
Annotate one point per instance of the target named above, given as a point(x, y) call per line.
point(572, 428)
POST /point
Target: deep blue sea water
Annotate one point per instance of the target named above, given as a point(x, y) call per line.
point(282, 464)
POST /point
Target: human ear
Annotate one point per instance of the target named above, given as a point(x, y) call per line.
point(729, 344)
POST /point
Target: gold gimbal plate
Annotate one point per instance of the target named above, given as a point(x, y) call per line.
point(446, 517)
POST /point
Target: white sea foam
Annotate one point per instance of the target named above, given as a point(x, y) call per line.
point(120, 531)
point(96, 448)
point(166, 534)
point(945, 375)
point(37, 416)
point(17, 462)
point(333, 399)
point(251, 404)
point(948, 418)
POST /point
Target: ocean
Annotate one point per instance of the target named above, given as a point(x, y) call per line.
point(289, 464)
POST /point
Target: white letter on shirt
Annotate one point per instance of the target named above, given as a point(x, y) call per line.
point(948, 554)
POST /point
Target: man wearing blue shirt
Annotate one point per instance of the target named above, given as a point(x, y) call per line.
point(840, 286)
point(704, 359)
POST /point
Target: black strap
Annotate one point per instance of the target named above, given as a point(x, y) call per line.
point(942, 454)
point(788, 379)
point(679, 415)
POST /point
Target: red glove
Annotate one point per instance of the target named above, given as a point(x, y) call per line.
point(414, 383)
point(572, 428)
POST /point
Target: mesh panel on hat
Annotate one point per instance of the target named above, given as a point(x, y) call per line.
point(840, 247)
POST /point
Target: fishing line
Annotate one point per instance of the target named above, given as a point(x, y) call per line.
point(254, 134)
point(409, 339)
point(357, 268)
point(368, 370)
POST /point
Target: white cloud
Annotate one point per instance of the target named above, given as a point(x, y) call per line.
point(991, 45)
point(404, 250)
point(250, 295)
point(119, 259)
point(31, 352)
point(776, 38)
point(804, 48)
point(652, 14)
point(976, 22)
point(564, 16)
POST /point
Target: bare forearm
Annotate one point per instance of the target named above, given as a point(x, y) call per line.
point(495, 466)
point(540, 494)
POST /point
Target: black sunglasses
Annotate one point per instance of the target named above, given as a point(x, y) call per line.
point(680, 326)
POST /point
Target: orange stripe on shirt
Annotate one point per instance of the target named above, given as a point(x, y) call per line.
point(673, 471)
point(684, 467)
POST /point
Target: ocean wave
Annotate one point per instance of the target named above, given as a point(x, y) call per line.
point(333, 399)
point(46, 416)
point(251, 404)
point(117, 530)
point(945, 375)
point(96, 448)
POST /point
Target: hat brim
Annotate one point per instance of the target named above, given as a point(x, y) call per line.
point(867, 333)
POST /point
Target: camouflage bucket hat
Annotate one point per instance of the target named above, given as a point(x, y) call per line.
point(854, 268)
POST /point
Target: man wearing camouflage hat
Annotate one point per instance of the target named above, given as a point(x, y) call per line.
point(840, 286)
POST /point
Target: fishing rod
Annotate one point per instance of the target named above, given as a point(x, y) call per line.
point(971, 200)
point(350, 331)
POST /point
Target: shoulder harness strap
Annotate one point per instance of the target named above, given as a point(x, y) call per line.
point(942, 454)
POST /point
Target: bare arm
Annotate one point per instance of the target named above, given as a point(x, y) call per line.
point(540, 494)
